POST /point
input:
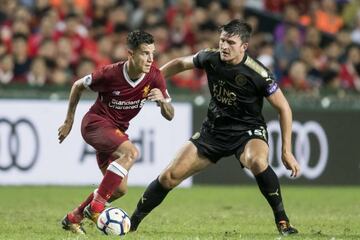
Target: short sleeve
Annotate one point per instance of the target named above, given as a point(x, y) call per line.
point(98, 79)
point(269, 85)
point(200, 58)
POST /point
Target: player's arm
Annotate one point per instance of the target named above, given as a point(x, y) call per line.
point(167, 109)
point(74, 97)
point(279, 102)
point(177, 65)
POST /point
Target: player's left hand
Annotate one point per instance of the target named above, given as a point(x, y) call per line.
point(290, 163)
point(155, 95)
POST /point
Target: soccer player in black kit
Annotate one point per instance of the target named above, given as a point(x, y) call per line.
point(234, 124)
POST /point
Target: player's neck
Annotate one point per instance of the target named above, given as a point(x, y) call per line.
point(237, 60)
point(132, 71)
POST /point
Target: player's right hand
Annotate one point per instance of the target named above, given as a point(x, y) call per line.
point(64, 131)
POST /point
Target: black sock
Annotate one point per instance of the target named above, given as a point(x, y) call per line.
point(152, 197)
point(269, 186)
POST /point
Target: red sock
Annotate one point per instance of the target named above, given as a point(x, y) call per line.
point(112, 179)
point(76, 215)
point(86, 202)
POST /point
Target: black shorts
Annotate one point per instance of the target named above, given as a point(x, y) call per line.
point(217, 144)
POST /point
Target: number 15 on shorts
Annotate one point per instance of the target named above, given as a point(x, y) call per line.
point(258, 132)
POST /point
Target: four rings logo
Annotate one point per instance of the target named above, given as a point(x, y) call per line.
point(302, 134)
point(301, 149)
point(19, 144)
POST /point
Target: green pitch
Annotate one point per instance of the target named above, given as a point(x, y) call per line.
point(197, 213)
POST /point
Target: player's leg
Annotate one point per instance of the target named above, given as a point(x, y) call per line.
point(117, 170)
point(186, 163)
point(121, 190)
point(76, 215)
point(255, 158)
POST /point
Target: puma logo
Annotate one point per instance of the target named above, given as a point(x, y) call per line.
point(276, 193)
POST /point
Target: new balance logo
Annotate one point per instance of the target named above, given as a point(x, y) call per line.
point(276, 193)
point(143, 199)
point(116, 93)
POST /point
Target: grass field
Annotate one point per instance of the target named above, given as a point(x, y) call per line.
point(201, 212)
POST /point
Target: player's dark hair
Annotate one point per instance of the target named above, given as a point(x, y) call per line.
point(239, 28)
point(137, 37)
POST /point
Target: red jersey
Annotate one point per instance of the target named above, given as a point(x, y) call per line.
point(119, 98)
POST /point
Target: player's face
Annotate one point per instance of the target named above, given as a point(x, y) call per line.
point(143, 57)
point(232, 49)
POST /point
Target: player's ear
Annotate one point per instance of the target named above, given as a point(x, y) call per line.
point(130, 52)
point(245, 46)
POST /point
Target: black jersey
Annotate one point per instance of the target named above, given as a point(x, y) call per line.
point(237, 91)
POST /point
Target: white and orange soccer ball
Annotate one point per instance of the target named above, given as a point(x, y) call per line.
point(114, 221)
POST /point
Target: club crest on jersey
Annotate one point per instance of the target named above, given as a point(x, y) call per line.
point(116, 93)
point(146, 90)
point(240, 80)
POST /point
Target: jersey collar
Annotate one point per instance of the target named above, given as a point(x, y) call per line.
point(127, 78)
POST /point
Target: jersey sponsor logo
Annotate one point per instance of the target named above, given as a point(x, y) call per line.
point(125, 105)
point(251, 63)
point(222, 94)
point(19, 144)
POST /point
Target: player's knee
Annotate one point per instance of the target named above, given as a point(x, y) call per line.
point(133, 154)
point(257, 164)
point(120, 191)
point(169, 180)
point(127, 158)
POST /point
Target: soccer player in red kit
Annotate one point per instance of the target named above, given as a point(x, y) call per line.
point(122, 88)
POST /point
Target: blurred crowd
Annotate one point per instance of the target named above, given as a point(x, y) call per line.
point(54, 42)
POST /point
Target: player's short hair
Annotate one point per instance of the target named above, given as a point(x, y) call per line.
point(237, 27)
point(138, 37)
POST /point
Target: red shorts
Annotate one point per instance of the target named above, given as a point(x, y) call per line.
point(102, 135)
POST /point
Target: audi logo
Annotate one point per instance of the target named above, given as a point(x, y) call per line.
point(302, 133)
point(19, 144)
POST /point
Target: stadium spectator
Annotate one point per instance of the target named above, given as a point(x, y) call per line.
point(22, 60)
point(315, 62)
point(91, 27)
point(287, 51)
point(327, 17)
point(332, 82)
point(38, 75)
point(6, 69)
point(290, 19)
point(350, 78)
point(46, 30)
point(355, 34)
point(296, 80)
point(266, 55)
point(85, 67)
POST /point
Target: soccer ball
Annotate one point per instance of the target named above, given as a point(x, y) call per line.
point(114, 221)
